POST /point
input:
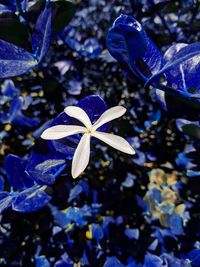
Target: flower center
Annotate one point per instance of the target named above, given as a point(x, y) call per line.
point(90, 130)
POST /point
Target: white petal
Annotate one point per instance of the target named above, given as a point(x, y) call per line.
point(109, 115)
point(81, 156)
point(115, 141)
point(61, 131)
point(79, 114)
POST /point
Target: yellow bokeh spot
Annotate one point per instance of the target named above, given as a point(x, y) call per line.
point(89, 233)
point(41, 94)
point(7, 127)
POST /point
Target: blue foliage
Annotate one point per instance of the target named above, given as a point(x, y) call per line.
point(17, 177)
point(2, 183)
point(15, 60)
point(45, 168)
point(194, 256)
point(10, 96)
point(97, 232)
point(42, 34)
point(152, 261)
point(136, 212)
point(6, 200)
point(129, 44)
point(181, 70)
point(31, 199)
point(179, 66)
point(113, 261)
point(132, 233)
point(41, 261)
point(72, 215)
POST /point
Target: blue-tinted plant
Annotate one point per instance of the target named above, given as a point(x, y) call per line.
point(42, 168)
point(176, 72)
point(10, 97)
point(15, 60)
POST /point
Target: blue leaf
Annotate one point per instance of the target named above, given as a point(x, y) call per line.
point(152, 57)
point(182, 72)
point(45, 164)
point(31, 199)
point(175, 223)
point(14, 60)
point(67, 145)
point(15, 108)
point(37, 133)
point(91, 48)
point(24, 5)
point(65, 261)
point(5, 200)
point(8, 89)
point(97, 232)
point(152, 261)
point(129, 44)
point(75, 191)
point(113, 261)
point(72, 215)
point(132, 233)
point(126, 36)
point(42, 34)
point(6, 9)
point(17, 177)
point(94, 106)
point(75, 87)
point(22, 121)
point(41, 261)
point(172, 261)
point(2, 183)
point(46, 171)
point(160, 96)
point(194, 256)
point(187, 75)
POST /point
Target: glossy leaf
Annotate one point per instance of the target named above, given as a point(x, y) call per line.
point(126, 36)
point(47, 170)
point(31, 199)
point(17, 177)
point(14, 60)
point(42, 34)
point(5, 201)
point(194, 256)
point(129, 44)
point(184, 67)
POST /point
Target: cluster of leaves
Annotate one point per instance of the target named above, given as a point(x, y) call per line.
point(123, 211)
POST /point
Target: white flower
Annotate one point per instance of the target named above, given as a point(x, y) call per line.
point(82, 152)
